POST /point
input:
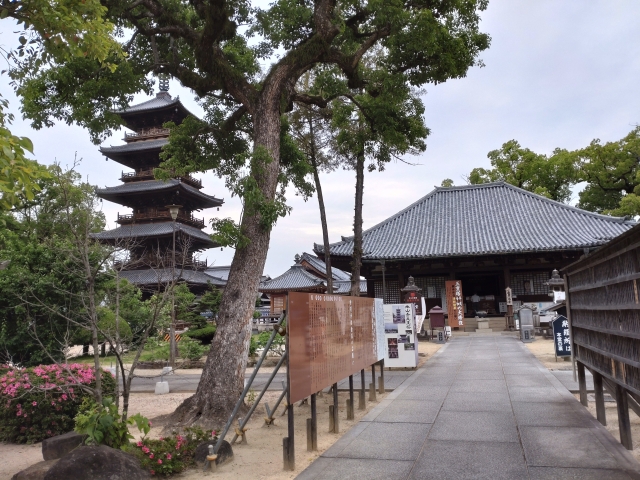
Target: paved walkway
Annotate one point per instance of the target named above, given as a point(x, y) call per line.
point(482, 408)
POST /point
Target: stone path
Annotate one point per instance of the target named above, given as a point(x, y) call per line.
point(481, 408)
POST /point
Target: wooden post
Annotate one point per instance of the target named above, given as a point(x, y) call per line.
point(350, 413)
point(599, 393)
point(362, 404)
point(373, 375)
point(381, 379)
point(314, 423)
point(336, 421)
point(289, 443)
point(582, 385)
point(623, 417)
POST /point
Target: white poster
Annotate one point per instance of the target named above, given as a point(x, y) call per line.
point(381, 340)
point(400, 335)
point(420, 318)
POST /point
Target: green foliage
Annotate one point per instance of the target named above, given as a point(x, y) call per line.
point(103, 425)
point(172, 454)
point(551, 177)
point(155, 350)
point(41, 402)
point(447, 183)
point(42, 279)
point(204, 335)
point(191, 349)
point(259, 342)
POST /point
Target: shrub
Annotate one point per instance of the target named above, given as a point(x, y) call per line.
point(172, 454)
point(191, 349)
point(155, 350)
point(205, 335)
point(41, 402)
point(103, 424)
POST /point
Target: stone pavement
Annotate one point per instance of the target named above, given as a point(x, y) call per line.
point(481, 408)
point(189, 382)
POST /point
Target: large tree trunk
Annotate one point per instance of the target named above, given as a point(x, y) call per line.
point(222, 378)
point(357, 227)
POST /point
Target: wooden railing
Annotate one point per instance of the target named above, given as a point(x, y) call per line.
point(159, 214)
point(147, 174)
point(146, 133)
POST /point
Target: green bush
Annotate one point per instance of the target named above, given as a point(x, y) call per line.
point(204, 335)
point(172, 454)
point(155, 350)
point(103, 424)
point(41, 402)
point(191, 349)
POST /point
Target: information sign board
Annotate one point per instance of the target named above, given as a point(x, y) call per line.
point(455, 303)
point(561, 337)
point(330, 338)
point(401, 335)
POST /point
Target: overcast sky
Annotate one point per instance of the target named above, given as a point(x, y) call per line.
point(557, 74)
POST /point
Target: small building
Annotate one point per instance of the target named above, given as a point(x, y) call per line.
point(147, 231)
point(308, 274)
point(489, 236)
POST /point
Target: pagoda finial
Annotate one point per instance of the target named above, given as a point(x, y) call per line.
point(163, 82)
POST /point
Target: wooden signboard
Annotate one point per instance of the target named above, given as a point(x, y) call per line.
point(414, 298)
point(455, 303)
point(330, 338)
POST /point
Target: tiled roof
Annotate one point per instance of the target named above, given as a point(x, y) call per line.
point(158, 229)
point(161, 100)
point(319, 265)
point(486, 219)
point(221, 272)
point(343, 287)
point(161, 276)
point(296, 278)
point(158, 186)
point(135, 147)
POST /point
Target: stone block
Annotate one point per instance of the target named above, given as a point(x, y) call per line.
point(36, 471)
point(60, 445)
point(162, 388)
point(97, 463)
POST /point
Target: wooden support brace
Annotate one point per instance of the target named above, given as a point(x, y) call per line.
point(372, 392)
point(350, 415)
point(309, 435)
point(212, 462)
point(362, 400)
point(599, 394)
point(582, 385)
point(381, 385)
point(241, 432)
point(331, 419)
point(624, 423)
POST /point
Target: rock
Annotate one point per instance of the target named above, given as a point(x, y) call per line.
point(97, 463)
point(36, 471)
point(60, 445)
point(225, 452)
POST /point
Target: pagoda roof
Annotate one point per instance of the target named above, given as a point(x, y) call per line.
point(161, 276)
point(133, 154)
point(154, 112)
point(154, 230)
point(343, 287)
point(486, 219)
point(131, 194)
point(295, 279)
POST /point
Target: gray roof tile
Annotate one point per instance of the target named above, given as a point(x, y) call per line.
point(486, 219)
point(161, 276)
point(296, 278)
point(135, 146)
point(158, 229)
point(319, 265)
point(161, 100)
point(157, 186)
point(343, 287)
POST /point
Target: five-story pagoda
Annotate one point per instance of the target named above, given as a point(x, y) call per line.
point(147, 232)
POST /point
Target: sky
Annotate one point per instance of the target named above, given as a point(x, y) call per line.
point(557, 74)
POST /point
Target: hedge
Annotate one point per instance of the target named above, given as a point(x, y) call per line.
point(205, 335)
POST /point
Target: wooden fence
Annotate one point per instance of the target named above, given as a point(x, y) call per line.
point(604, 315)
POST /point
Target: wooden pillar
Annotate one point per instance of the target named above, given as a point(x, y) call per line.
point(582, 385)
point(599, 393)
point(371, 288)
point(623, 417)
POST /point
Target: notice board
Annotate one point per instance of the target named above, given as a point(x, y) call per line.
point(455, 303)
point(330, 338)
point(401, 335)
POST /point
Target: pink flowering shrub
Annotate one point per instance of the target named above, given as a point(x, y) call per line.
point(173, 454)
point(41, 402)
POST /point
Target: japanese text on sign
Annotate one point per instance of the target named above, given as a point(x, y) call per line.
point(561, 336)
point(455, 303)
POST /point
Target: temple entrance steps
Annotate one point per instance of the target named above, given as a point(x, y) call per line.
point(496, 324)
